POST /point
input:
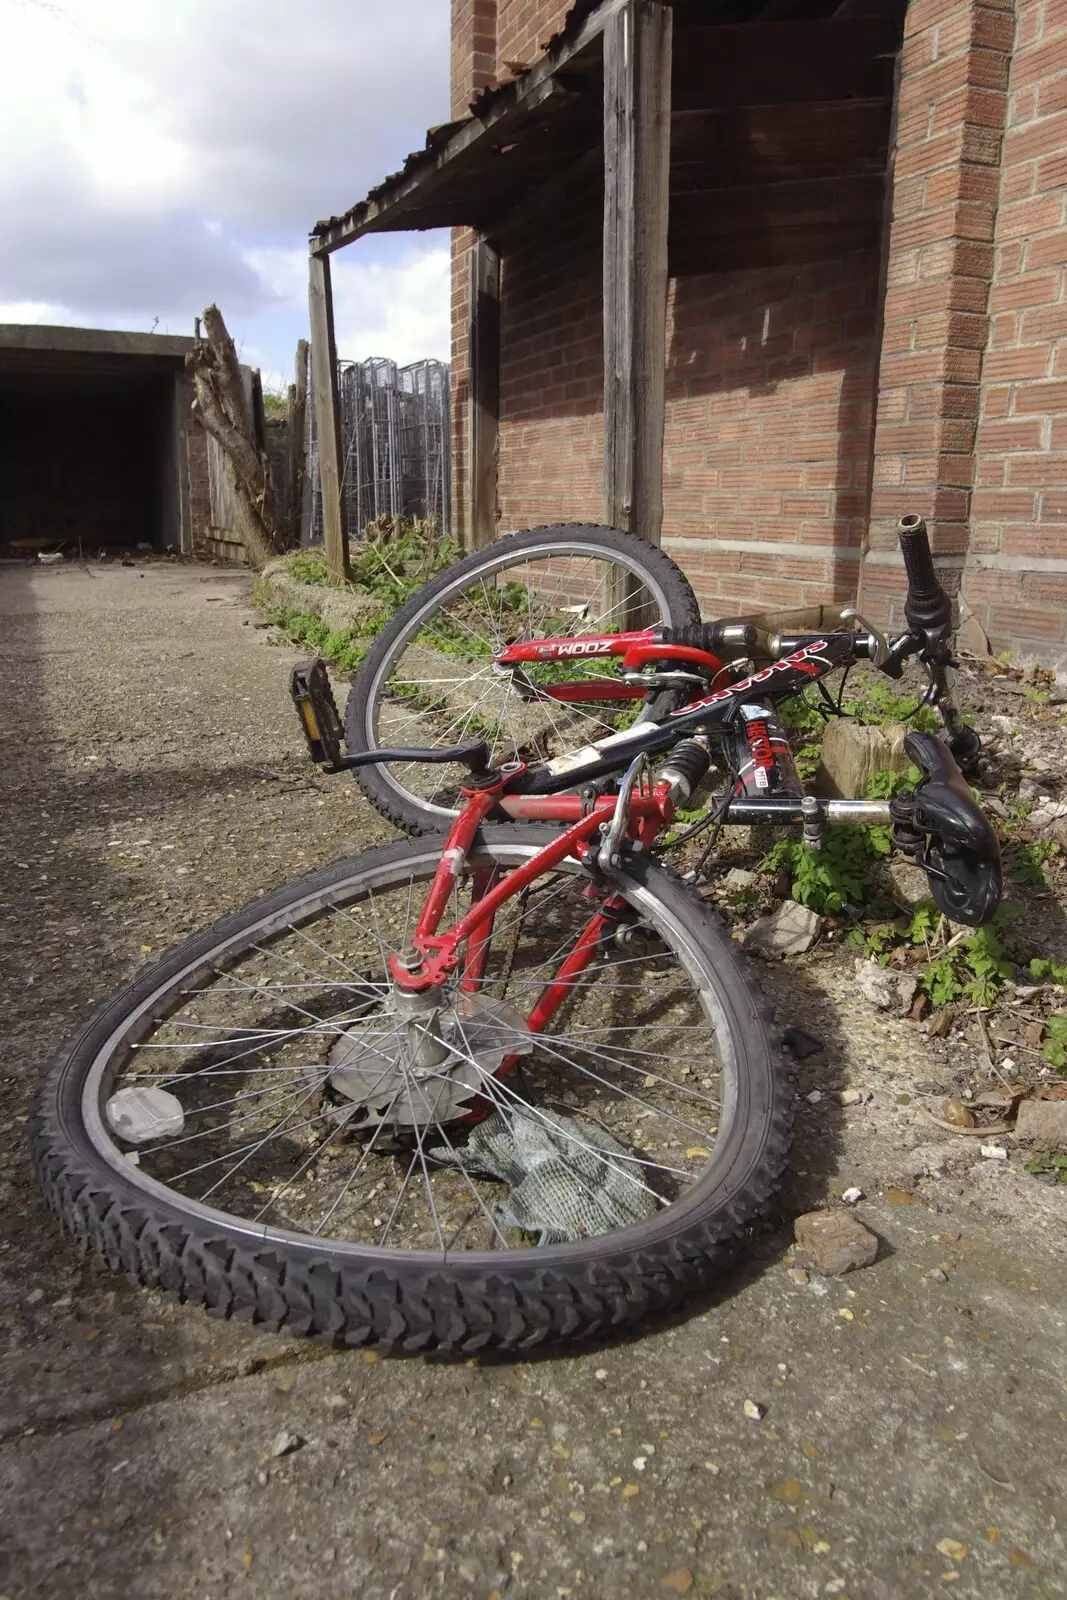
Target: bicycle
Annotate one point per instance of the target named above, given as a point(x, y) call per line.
point(509, 1084)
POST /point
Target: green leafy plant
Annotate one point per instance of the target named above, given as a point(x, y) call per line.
point(1043, 969)
point(805, 724)
point(345, 647)
point(876, 703)
point(307, 566)
point(1031, 862)
point(879, 940)
point(833, 877)
point(976, 968)
point(1054, 1045)
point(1053, 1166)
point(397, 556)
point(885, 785)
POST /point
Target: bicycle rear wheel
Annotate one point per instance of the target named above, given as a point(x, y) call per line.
point(247, 1123)
point(429, 678)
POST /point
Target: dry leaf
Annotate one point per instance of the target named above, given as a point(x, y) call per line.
point(680, 1580)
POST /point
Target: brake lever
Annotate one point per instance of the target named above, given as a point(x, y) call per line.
point(881, 643)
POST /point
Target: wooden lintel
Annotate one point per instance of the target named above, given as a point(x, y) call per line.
point(484, 423)
point(637, 129)
point(327, 417)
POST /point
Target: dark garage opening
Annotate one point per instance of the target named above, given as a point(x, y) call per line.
point(91, 446)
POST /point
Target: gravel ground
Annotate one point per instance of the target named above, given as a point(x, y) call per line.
point(911, 1431)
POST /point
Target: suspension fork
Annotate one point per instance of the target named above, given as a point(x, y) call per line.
point(577, 960)
point(485, 878)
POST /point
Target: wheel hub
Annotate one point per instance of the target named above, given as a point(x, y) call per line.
point(415, 1068)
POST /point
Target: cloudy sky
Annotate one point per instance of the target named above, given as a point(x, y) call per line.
point(160, 154)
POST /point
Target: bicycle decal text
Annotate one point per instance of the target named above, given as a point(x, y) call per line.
point(801, 660)
point(580, 647)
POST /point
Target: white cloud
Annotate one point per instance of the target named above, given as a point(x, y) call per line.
point(397, 308)
point(163, 153)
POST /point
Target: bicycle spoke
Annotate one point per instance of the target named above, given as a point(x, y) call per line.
point(321, 1122)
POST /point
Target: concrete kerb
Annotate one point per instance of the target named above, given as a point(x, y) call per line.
point(338, 608)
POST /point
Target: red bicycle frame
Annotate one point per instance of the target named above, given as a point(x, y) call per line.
point(638, 649)
point(648, 812)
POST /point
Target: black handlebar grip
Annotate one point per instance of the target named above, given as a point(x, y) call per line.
point(918, 561)
point(714, 637)
point(927, 606)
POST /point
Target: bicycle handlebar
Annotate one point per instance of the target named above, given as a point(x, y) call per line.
point(918, 561)
point(927, 608)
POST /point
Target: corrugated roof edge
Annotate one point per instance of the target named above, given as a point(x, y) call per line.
point(483, 103)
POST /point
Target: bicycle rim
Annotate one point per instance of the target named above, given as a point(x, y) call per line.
point(306, 1118)
point(436, 684)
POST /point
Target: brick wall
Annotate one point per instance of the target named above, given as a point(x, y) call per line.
point(951, 109)
point(771, 373)
point(1016, 578)
point(769, 386)
point(523, 27)
point(768, 416)
point(474, 64)
point(473, 50)
point(552, 378)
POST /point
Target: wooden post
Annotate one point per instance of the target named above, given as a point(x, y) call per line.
point(637, 133)
point(327, 417)
point(294, 444)
point(484, 413)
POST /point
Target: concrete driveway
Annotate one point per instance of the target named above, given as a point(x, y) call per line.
point(913, 1416)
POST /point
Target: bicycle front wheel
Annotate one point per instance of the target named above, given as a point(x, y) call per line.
point(252, 1125)
point(429, 678)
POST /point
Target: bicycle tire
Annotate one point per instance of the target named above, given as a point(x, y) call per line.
point(665, 583)
point(401, 1301)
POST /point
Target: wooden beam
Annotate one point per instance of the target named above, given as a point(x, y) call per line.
point(769, 144)
point(484, 415)
point(777, 63)
point(637, 129)
point(295, 451)
point(712, 213)
point(327, 417)
point(789, 245)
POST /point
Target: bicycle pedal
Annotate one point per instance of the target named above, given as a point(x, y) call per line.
point(320, 720)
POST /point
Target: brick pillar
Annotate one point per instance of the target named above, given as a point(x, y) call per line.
point(473, 50)
point(473, 68)
point(1016, 578)
point(951, 112)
